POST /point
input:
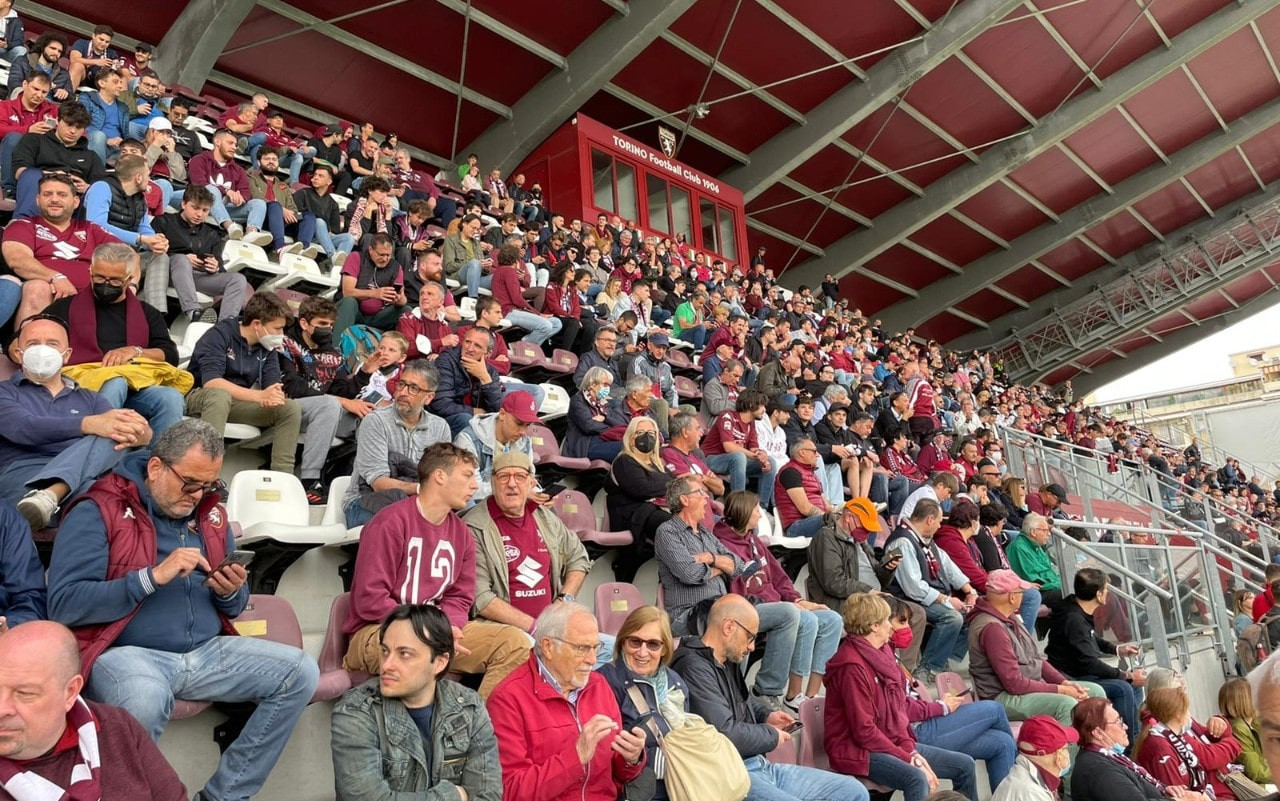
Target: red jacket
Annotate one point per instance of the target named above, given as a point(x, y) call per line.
point(1160, 758)
point(770, 583)
point(953, 542)
point(868, 712)
point(537, 732)
point(412, 325)
point(562, 302)
point(1262, 604)
point(508, 291)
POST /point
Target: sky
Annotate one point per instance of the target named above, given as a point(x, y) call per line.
point(1209, 358)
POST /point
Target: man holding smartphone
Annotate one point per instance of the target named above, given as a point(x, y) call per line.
point(133, 574)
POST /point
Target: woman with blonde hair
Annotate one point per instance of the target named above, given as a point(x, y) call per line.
point(610, 295)
point(635, 494)
point(641, 663)
point(1013, 495)
point(1171, 748)
point(1235, 702)
point(1242, 606)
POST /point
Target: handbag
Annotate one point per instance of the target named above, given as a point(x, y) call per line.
point(1242, 787)
point(700, 763)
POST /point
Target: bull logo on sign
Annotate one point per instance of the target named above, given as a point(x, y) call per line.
point(667, 140)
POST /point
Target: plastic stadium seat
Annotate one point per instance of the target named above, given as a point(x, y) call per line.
point(526, 355)
point(614, 601)
point(812, 754)
point(333, 513)
point(575, 510)
point(687, 388)
point(563, 362)
point(949, 682)
point(679, 360)
point(546, 451)
point(302, 275)
point(271, 618)
point(251, 260)
point(272, 509)
point(555, 402)
point(334, 678)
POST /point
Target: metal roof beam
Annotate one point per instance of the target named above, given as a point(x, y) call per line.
point(1172, 342)
point(702, 136)
point(590, 67)
point(384, 55)
point(196, 39)
point(779, 234)
point(849, 253)
point(707, 60)
point(1045, 303)
point(854, 103)
point(988, 269)
point(506, 32)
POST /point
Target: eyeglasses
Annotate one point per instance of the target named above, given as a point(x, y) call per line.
point(511, 476)
point(751, 635)
point(580, 651)
point(636, 643)
point(411, 389)
point(98, 279)
point(1114, 721)
point(190, 487)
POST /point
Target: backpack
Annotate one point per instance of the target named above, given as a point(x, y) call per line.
point(356, 343)
point(1257, 641)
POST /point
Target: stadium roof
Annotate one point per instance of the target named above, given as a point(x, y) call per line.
point(1085, 185)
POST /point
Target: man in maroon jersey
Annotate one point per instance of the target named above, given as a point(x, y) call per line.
point(416, 551)
point(29, 112)
point(51, 253)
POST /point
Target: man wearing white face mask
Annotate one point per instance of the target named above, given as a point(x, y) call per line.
point(57, 437)
point(237, 369)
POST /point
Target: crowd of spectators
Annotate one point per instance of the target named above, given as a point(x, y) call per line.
point(712, 405)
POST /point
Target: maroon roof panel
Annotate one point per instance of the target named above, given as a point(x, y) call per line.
point(1003, 212)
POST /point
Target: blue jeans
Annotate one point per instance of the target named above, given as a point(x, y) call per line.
point(1030, 608)
point(1123, 696)
point(98, 144)
point(162, 406)
point(166, 191)
point(356, 514)
point(247, 213)
point(800, 643)
point(979, 729)
point(538, 393)
point(27, 186)
point(7, 145)
point(313, 230)
point(279, 678)
point(739, 467)
point(949, 640)
point(694, 336)
point(892, 772)
point(472, 274)
point(256, 141)
point(10, 298)
point(275, 223)
point(540, 328)
point(805, 526)
point(777, 782)
point(294, 161)
point(604, 451)
point(78, 466)
point(832, 478)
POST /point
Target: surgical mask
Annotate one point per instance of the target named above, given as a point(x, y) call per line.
point(323, 337)
point(603, 392)
point(271, 341)
point(994, 455)
point(901, 638)
point(42, 361)
point(1116, 748)
point(107, 293)
point(646, 442)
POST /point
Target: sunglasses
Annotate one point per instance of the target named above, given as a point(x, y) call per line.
point(190, 487)
point(636, 643)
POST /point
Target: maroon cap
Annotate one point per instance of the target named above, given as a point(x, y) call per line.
point(520, 404)
point(1041, 734)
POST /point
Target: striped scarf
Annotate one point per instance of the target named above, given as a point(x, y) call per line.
point(26, 785)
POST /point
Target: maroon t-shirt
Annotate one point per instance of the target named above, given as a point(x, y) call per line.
point(528, 562)
point(729, 428)
point(68, 252)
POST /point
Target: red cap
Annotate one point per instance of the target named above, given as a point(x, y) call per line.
point(1041, 734)
point(521, 405)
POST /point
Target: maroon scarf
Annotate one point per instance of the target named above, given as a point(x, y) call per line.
point(81, 733)
point(83, 325)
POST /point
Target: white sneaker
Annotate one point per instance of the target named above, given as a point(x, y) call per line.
point(338, 258)
point(295, 247)
point(794, 703)
point(259, 238)
point(234, 231)
point(38, 507)
point(311, 251)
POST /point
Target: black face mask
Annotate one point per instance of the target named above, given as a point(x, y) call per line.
point(107, 293)
point(323, 337)
point(646, 442)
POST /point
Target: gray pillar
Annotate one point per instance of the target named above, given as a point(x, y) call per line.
point(192, 46)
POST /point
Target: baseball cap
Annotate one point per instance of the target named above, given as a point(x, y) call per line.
point(660, 340)
point(1002, 581)
point(512, 459)
point(520, 404)
point(160, 124)
point(1041, 735)
point(838, 407)
point(865, 511)
point(1056, 490)
point(332, 130)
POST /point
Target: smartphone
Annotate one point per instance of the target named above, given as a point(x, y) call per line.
point(794, 727)
point(242, 558)
point(964, 692)
point(890, 557)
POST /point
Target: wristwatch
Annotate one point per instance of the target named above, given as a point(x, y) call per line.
point(564, 596)
point(56, 277)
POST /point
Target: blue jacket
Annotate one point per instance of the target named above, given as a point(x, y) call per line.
point(456, 384)
point(583, 428)
point(22, 594)
point(39, 424)
point(176, 617)
point(98, 109)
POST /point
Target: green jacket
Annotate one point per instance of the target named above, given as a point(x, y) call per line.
point(284, 192)
point(378, 753)
point(457, 252)
point(1255, 765)
point(1032, 562)
point(564, 550)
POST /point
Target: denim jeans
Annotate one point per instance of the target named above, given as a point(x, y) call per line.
point(539, 394)
point(472, 274)
point(78, 466)
point(603, 451)
point(279, 678)
point(10, 297)
point(162, 406)
point(892, 772)
point(256, 141)
point(739, 467)
point(540, 328)
point(949, 640)
point(294, 161)
point(7, 145)
point(979, 729)
point(800, 642)
point(806, 526)
point(275, 223)
point(694, 336)
point(832, 478)
point(166, 191)
point(331, 243)
point(1030, 608)
point(355, 514)
point(771, 781)
point(98, 144)
point(1123, 696)
point(248, 212)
